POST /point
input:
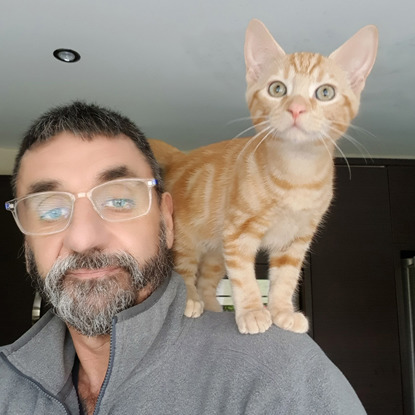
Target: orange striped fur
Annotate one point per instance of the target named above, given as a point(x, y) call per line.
point(269, 191)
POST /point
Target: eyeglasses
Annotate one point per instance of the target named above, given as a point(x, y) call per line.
point(46, 213)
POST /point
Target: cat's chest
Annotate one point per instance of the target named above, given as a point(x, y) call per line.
point(296, 186)
point(285, 225)
point(295, 213)
point(286, 198)
point(301, 200)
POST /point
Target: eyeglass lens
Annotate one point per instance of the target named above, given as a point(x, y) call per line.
point(118, 201)
point(44, 212)
point(51, 212)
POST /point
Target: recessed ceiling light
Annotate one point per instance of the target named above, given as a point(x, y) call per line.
point(67, 55)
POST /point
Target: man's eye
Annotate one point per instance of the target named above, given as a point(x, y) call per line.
point(55, 214)
point(120, 204)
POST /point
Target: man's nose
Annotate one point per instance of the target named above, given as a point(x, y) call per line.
point(87, 229)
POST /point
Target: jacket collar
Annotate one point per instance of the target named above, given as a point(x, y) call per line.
point(46, 353)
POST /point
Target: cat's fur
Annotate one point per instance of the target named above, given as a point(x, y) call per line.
point(271, 191)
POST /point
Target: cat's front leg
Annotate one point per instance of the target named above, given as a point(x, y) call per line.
point(211, 272)
point(194, 304)
point(186, 262)
point(251, 316)
point(284, 274)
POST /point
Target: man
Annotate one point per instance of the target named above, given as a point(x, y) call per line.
point(98, 229)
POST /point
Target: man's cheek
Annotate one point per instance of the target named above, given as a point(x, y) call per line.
point(34, 262)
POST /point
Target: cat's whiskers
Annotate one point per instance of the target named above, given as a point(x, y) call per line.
point(252, 139)
point(327, 137)
point(357, 128)
point(271, 130)
point(252, 127)
point(359, 146)
point(322, 140)
point(248, 118)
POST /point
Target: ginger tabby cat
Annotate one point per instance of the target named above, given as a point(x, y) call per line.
point(269, 191)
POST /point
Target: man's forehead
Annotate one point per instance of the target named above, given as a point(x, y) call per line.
point(111, 173)
point(66, 159)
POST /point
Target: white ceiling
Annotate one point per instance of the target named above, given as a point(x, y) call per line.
point(176, 67)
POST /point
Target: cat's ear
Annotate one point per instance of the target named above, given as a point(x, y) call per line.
point(357, 56)
point(260, 49)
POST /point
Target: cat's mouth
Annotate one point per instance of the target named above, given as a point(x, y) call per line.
point(298, 134)
point(295, 130)
point(283, 126)
point(296, 127)
point(298, 130)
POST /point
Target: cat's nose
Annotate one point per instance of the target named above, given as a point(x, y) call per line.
point(296, 109)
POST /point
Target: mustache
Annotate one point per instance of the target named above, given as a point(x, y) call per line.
point(92, 260)
point(89, 306)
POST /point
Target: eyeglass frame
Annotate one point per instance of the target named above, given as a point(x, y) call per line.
point(10, 205)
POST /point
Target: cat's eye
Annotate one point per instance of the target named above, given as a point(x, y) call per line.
point(277, 89)
point(325, 93)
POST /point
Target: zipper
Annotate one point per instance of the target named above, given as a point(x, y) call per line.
point(109, 368)
point(37, 385)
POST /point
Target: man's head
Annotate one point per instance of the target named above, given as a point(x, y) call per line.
point(94, 267)
point(85, 121)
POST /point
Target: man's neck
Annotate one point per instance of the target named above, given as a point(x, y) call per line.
point(93, 354)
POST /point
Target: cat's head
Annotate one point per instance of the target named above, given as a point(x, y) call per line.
point(305, 97)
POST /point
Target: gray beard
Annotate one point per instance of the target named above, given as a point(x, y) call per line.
point(89, 306)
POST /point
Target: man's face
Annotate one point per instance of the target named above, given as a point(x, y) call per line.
point(94, 258)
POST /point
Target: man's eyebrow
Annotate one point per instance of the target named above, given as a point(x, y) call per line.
point(43, 186)
point(114, 173)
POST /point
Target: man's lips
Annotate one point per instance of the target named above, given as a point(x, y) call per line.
point(93, 273)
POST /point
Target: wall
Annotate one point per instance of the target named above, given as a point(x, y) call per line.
point(7, 156)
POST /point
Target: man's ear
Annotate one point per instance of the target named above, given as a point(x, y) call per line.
point(166, 208)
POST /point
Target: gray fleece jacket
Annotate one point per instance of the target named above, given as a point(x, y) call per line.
point(164, 363)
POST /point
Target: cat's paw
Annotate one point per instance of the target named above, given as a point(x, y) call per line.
point(194, 308)
point(254, 321)
point(292, 321)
